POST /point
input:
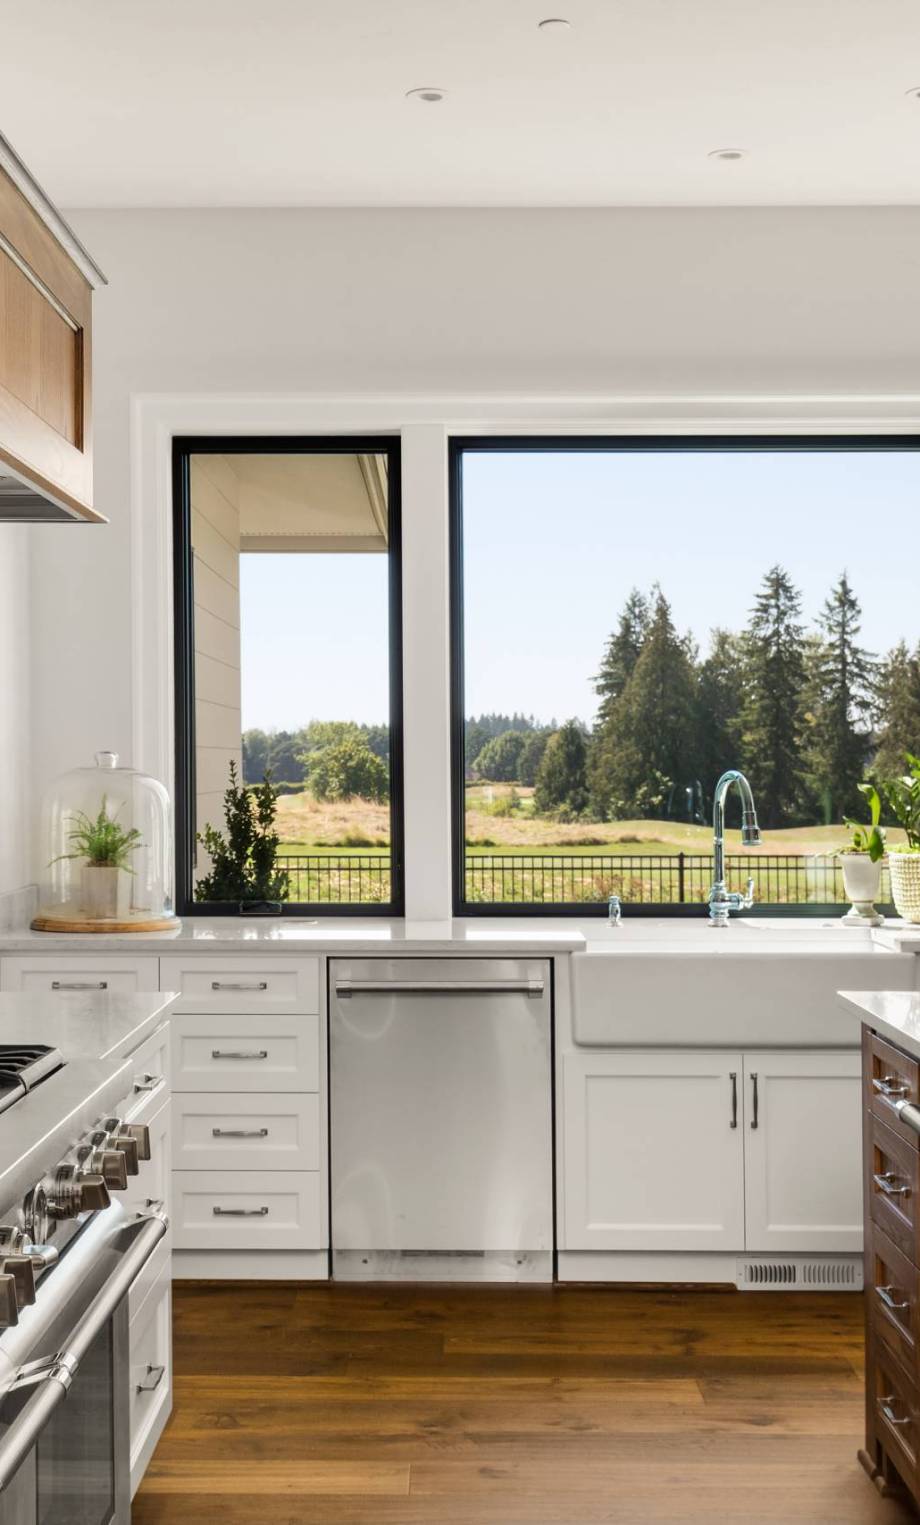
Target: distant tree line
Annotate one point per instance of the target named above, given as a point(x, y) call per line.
point(808, 713)
point(332, 759)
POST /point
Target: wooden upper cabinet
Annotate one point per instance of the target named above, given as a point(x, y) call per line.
point(46, 290)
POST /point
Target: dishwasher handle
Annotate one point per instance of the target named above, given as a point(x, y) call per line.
point(345, 989)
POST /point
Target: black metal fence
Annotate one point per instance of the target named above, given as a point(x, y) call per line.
point(356, 878)
point(652, 878)
point(347, 878)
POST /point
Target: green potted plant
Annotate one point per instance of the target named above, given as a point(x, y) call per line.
point(243, 863)
point(902, 796)
point(107, 848)
point(861, 862)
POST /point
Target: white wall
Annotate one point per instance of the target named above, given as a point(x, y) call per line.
point(15, 685)
point(562, 303)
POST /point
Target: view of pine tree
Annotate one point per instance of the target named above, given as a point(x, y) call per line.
point(649, 744)
point(562, 785)
point(621, 653)
point(899, 702)
point(720, 686)
point(532, 756)
point(771, 709)
point(841, 690)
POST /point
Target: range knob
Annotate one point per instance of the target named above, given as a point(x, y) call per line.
point(75, 1189)
point(22, 1270)
point(139, 1133)
point(110, 1166)
point(109, 1138)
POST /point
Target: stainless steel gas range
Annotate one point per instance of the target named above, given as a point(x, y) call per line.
point(69, 1252)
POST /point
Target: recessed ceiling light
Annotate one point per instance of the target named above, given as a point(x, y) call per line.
point(728, 155)
point(427, 93)
point(914, 91)
point(554, 24)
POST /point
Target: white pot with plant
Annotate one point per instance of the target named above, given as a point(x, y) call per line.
point(861, 863)
point(105, 880)
point(902, 796)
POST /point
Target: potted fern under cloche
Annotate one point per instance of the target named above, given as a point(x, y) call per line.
point(902, 796)
point(861, 862)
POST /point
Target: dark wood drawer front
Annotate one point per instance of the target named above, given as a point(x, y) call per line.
point(893, 1169)
point(896, 1412)
point(890, 1076)
point(892, 1290)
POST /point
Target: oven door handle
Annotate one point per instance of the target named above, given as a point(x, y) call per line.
point(51, 1380)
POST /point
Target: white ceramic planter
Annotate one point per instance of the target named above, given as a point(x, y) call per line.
point(861, 880)
point(105, 892)
point(905, 884)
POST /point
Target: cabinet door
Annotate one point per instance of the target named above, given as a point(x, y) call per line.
point(654, 1146)
point(803, 1150)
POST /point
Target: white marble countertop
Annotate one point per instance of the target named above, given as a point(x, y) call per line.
point(895, 1014)
point(98, 1024)
point(479, 935)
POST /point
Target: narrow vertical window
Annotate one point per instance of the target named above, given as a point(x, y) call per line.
point(288, 675)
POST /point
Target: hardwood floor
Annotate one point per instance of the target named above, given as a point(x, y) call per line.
point(516, 1406)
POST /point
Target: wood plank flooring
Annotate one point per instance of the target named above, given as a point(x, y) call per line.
point(512, 1406)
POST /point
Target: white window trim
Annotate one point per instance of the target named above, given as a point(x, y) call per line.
point(424, 425)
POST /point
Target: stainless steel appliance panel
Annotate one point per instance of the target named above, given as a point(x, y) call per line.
point(441, 1113)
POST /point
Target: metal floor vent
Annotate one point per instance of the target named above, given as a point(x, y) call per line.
point(803, 1273)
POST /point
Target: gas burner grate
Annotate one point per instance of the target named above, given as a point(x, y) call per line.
point(23, 1066)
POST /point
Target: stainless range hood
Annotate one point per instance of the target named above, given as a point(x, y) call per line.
point(21, 503)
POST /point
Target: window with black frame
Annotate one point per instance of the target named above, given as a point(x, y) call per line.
point(288, 694)
point(632, 617)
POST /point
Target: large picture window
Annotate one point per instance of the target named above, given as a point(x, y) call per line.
point(631, 617)
point(287, 582)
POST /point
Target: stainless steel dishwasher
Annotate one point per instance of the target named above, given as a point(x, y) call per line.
point(441, 1113)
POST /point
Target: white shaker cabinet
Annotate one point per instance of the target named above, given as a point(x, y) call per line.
point(803, 1151)
point(654, 1151)
point(689, 1150)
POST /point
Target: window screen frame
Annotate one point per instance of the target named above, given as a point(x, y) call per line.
point(184, 447)
point(460, 445)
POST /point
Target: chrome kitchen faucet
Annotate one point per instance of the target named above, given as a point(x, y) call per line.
point(721, 899)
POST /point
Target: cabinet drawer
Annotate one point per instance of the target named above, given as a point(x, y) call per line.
point(895, 1410)
point(150, 1080)
point(246, 1131)
point(150, 1278)
point(892, 1289)
point(247, 1053)
point(224, 1210)
point(150, 1373)
point(892, 1182)
point(152, 1182)
point(68, 973)
point(890, 1076)
point(242, 985)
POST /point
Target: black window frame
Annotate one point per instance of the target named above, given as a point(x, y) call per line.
point(183, 448)
point(460, 445)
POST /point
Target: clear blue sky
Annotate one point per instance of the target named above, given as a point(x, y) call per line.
point(553, 544)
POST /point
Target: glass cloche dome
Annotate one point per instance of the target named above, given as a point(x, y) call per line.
point(106, 843)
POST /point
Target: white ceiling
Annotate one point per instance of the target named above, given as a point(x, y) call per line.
point(116, 103)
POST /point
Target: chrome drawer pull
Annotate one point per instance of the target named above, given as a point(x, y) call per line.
point(239, 1133)
point(885, 1296)
point(148, 1082)
point(890, 1087)
point(154, 1377)
point(889, 1413)
point(240, 1212)
point(885, 1183)
point(229, 1053)
point(79, 984)
point(239, 985)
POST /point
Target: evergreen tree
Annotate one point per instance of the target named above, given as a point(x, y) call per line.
point(500, 757)
point(719, 695)
point(899, 697)
point(649, 743)
point(621, 653)
point(771, 711)
point(562, 785)
point(841, 695)
point(531, 757)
